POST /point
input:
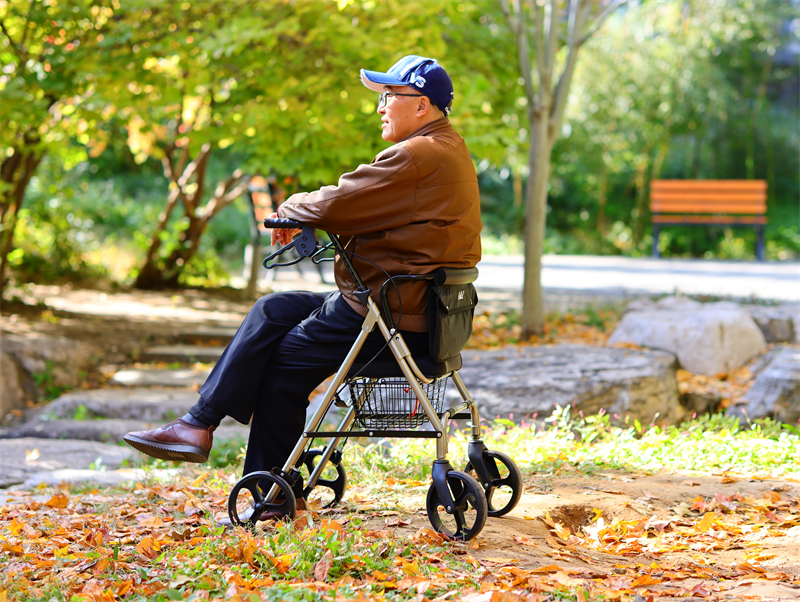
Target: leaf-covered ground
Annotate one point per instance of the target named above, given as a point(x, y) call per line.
point(704, 512)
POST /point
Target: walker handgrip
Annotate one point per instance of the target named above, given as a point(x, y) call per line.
point(281, 222)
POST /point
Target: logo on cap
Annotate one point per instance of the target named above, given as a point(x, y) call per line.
point(417, 80)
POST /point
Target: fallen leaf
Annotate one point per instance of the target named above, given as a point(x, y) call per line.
point(323, 567)
point(706, 522)
point(59, 500)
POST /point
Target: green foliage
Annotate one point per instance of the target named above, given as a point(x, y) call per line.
point(590, 443)
point(667, 89)
point(47, 383)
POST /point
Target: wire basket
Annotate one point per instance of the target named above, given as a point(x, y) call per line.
point(390, 403)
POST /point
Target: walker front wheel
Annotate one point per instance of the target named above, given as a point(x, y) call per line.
point(505, 489)
point(467, 517)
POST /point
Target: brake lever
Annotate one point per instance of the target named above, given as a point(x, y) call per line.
point(304, 243)
point(320, 250)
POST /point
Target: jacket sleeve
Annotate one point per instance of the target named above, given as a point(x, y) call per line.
point(374, 197)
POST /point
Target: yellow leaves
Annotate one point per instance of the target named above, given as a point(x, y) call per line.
point(391, 483)
point(283, 562)
point(59, 500)
point(728, 387)
point(707, 522)
point(645, 580)
point(148, 547)
point(12, 548)
point(408, 568)
point(249, 549)
point(562, 531)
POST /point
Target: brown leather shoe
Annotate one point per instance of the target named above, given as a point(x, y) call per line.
point(178, 441)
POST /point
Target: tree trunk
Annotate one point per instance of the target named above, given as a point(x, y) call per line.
point(16, 172)
point(602, 200)
point(149, 276)
point(535, 216)
point(157, 273)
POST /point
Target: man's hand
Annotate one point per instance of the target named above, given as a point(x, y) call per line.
point(282, 235)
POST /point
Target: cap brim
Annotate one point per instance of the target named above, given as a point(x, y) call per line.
point(375, 80)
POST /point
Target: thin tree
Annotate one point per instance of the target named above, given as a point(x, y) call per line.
point(557, 26)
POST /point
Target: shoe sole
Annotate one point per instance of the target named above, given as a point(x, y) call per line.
point(168, 451)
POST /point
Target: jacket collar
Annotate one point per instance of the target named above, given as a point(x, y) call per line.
point(429, 128)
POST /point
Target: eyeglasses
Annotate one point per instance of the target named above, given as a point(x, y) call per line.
point(384, 97)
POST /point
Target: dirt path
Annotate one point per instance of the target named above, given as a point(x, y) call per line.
point(667, 550)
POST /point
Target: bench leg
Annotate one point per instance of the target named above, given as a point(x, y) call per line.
point(656, 233)
point(760, 243)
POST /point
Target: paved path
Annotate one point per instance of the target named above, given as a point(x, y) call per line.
point(626, 276)
point(578, 280)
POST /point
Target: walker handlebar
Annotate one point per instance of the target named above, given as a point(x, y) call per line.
point(304, 243)
point(282, 222)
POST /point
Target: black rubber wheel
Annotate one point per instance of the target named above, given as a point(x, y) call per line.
point(468, 517)
point(505, 490)
point(247, 502)
point(329, 491)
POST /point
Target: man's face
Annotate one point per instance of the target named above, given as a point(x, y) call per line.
point(399, 117)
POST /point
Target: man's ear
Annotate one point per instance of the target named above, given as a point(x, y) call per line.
point(423, 106)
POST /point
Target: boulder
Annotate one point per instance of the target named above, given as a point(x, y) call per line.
point(778, 323)
point(57, 360)
point(522, 381)
point(775, 392)
point(707, 338)
point(15, 386)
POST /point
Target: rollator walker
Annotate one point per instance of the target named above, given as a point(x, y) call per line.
point(387, 399)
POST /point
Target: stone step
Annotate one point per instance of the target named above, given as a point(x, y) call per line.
point(153, 377)
point(181, 353)
point(104, 478)
point(25, 457)
point(110, 430)
point(136, 403)
point(213, 336)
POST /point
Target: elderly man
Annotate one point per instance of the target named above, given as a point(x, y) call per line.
point(415, 208)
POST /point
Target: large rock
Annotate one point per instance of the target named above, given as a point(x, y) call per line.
point(775, 392)
point(15, 386)
point(528, 380)
point(778, 323)
point(57, 359)
point(25, 457)
point(707, 338)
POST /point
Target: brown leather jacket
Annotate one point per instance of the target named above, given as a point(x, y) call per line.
point(413, 209)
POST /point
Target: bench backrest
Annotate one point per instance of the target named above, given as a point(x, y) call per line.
point(709, 196)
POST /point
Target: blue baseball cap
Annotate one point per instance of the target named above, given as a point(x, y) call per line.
point(423, 74)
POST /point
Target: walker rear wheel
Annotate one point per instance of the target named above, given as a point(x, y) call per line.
point(247, 503)
point(330, 487)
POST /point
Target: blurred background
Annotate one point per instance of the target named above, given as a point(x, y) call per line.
point(129, 129)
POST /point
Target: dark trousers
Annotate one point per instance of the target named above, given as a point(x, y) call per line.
point(287, 345)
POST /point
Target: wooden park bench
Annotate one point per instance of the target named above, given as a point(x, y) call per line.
point(709, 203)
point(262, 199)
